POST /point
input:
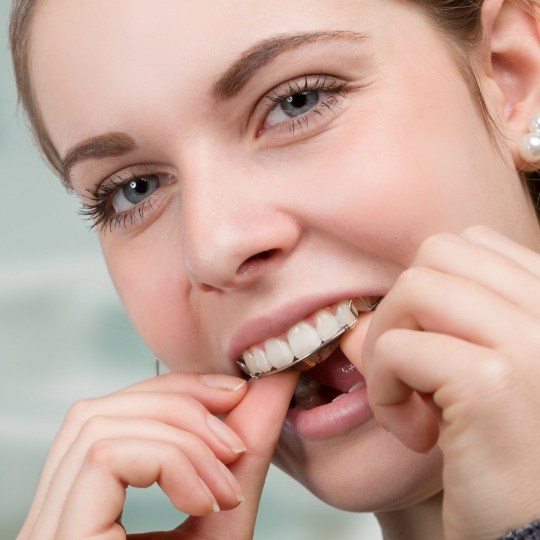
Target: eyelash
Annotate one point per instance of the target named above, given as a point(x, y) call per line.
point(99, 210)
point(325, 83)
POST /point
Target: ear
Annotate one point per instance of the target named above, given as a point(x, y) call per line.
point(510, 56)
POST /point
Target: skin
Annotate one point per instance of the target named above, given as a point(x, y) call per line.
point(415, 171)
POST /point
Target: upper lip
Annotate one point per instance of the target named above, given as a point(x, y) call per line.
point(274, 322)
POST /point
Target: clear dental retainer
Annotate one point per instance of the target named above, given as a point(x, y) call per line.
point(324, 350)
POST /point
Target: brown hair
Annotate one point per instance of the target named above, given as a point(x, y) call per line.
point(459, 22)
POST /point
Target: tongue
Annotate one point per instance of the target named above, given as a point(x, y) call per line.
point(336, 371)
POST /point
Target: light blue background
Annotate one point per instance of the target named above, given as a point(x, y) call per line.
point(64, 336)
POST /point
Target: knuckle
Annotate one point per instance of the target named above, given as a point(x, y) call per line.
point(495, 372)
point(406, 276)
point(475, 231)
point(435, 248)
point(174, 454)
point(190, 444)
point(93, 426)
point(179, 405)
point(189, 440)
point(100, 453)
point(80, 411)
point(187, 401)
point(436, 242)
point(412, 278)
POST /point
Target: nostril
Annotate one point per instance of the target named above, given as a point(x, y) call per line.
point(249, 264)
point(263, 254)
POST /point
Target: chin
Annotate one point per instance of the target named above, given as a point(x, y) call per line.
point(367, 470)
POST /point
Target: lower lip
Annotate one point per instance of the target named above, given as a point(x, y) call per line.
point(330, 420)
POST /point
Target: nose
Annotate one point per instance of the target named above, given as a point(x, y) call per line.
point(234, 231)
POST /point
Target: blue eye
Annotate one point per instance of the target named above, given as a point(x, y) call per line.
point(120, 201)
point(135, 191)
point(298, 103)
point(293, 106)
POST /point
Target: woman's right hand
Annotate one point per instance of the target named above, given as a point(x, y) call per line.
point(163, 430)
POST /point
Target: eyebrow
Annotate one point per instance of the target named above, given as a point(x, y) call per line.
point(266, 50)
point(110, 144)
point(228, 85)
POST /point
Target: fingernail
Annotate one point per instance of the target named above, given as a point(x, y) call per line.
point(231, 479)
point(223, 382)
point(215, 505)
point(224, 433)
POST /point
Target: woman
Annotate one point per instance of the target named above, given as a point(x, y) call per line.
point(247, 165)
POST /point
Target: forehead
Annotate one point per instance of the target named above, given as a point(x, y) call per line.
point(94, 63)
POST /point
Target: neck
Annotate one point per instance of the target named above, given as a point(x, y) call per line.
point(422, 521)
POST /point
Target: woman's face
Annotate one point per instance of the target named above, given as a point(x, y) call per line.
point(248, 201)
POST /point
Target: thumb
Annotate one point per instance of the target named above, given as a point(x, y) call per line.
point(258, 420)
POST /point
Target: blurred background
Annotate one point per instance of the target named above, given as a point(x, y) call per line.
point(64, 336)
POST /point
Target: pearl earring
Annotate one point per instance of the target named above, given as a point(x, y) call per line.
point(530, 143)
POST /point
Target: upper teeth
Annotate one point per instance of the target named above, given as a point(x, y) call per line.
point(302, 339)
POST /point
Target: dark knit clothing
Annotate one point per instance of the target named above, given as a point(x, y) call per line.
point(528, 532)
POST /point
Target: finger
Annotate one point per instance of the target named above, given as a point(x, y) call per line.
point(492, 239)
point(454, 372)
point(212, 389)
point(458, 256)
point(207, 466)
point(111, 465)
point(176, 409)
point(423, 298)
point(258, 419)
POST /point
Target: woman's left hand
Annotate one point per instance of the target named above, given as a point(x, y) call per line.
point(452, 356)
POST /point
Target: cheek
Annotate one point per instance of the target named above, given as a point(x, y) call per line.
point(149, 278)
point(387, 185)
point(372, 189)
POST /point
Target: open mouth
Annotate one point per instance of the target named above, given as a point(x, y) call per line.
point(307, 343)
point(326, 382)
